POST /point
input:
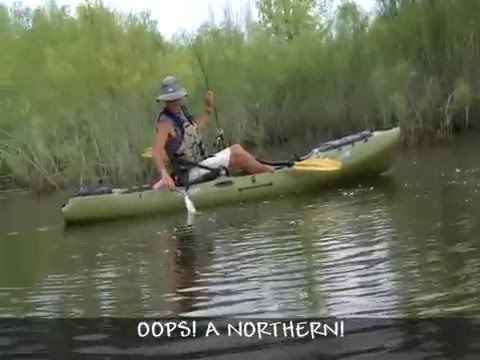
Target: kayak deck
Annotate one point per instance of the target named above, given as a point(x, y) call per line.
point(362, 154)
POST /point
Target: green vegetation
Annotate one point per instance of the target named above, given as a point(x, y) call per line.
point(77, 91)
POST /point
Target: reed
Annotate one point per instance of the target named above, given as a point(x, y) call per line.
point(78, 88)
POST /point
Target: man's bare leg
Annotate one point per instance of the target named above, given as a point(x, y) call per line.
point(242, 160)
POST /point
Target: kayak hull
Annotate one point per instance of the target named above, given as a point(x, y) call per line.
point(371, 156)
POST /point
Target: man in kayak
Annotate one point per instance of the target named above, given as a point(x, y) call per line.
point(178, 139)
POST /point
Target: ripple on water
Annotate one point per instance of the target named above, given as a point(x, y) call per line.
point(353, 252)
point(333, 265)
point(359, 251)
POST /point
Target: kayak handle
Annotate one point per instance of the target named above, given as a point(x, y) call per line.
point(224, 183)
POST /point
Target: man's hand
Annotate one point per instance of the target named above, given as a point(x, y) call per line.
point(209, 100)
point(204, 116)
point(167, 179)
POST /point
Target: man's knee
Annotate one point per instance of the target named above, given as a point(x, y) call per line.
point(237, 149)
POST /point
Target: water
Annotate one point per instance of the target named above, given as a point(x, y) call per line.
point(406, 245)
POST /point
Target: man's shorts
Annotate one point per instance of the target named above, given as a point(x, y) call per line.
point(222, 158)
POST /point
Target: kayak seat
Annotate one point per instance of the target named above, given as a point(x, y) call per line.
point(182, 167)
point(182, 179)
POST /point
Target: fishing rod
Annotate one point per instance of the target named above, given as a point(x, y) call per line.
point(220, 139)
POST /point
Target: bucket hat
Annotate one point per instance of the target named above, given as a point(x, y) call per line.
point(171, 90)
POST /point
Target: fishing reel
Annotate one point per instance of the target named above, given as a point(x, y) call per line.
point(220, 140)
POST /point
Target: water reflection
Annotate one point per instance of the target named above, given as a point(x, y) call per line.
point(403, 246)
point(400, 245)
point(351, 247)
point(181, 266)
point(314, 256)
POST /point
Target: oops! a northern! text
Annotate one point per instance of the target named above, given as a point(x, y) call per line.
point(248, 329)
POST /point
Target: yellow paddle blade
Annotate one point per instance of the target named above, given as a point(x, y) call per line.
point(147, 154)
point(322, 164)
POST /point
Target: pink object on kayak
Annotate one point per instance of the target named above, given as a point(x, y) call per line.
point(159, 184)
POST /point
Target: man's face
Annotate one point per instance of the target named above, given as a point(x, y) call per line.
point(175, 105)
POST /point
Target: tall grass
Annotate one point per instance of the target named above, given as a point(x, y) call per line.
point(78, 90)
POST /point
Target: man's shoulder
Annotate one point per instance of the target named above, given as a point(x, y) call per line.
point(162, 117)
point(163, 122)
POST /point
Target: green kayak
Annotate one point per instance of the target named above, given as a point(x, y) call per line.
point(361, 154)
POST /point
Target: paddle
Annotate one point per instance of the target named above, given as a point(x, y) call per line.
point(147, 154)
point(324, 164)
point(314, 164)
point(307, 165)
point(318, 164)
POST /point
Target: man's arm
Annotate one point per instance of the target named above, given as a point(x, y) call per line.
point(205, 115)
point(202, 120)
point(164, 128)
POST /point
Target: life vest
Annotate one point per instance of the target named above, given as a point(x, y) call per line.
point(187, 144)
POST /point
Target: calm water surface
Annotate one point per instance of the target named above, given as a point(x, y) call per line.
point(405, 245)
